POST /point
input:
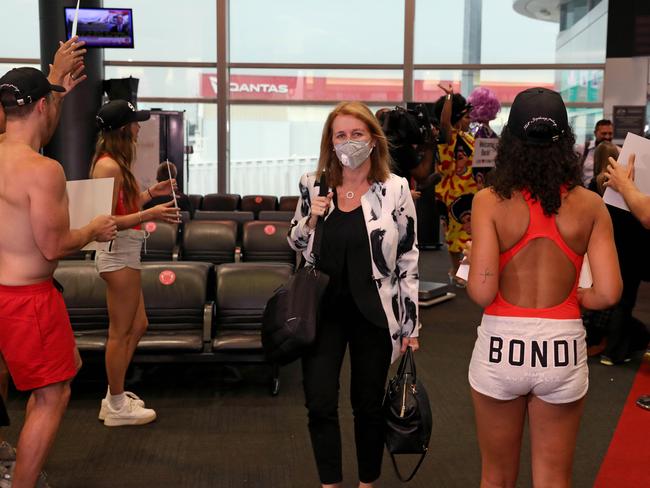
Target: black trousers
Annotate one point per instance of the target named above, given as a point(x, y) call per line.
point(370, 352)
point(626, 334)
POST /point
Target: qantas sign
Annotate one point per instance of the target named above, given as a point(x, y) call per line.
point(263, 88)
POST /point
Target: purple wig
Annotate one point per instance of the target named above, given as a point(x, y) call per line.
point(485, 103)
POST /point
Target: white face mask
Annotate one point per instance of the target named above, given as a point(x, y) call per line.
point(353, 153)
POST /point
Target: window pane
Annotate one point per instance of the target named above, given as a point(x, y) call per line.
point(166, 82)
point(584, 41)
point(314, 85)
point(6, 67)
point(201, 136)
point(540, 37)
point(20, 37)
point(574, 85)
point(299, 31)
point(166, 30)
point(273, 145)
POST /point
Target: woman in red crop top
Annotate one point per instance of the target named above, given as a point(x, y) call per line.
point(120, 265)
point(530, 231)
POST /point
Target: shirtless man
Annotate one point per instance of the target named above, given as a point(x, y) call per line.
point(67, 70)
point(36, 339)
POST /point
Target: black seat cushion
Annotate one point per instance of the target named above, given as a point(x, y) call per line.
point(221, 201)
point(161, 242)
point(288, 204)
point(242, 291)
point(211, 241)
point(267, 241)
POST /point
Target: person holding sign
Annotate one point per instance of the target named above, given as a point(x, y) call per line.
point(625, 333)
point(120, 265)
point(530, 231)
point(485, 107)
point(456, 149)
point(66, 70)
point(36, 338)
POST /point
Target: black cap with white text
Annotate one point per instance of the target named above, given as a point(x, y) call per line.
point(22, 86)
point(538, 116)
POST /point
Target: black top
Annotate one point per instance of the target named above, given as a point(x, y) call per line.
point(345, 257)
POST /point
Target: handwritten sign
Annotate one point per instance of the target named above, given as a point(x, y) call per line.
point(485, 152)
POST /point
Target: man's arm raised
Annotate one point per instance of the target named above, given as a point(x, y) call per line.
point(50, 219)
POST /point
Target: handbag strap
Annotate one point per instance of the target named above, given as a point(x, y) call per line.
point(415, 470)
point(407, 365)
point(318, 233)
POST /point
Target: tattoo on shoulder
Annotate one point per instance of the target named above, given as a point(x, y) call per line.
point(486, 274)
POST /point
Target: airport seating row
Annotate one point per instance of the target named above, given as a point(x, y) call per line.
point(247, 203)
point(216, 242)
point(196, 311)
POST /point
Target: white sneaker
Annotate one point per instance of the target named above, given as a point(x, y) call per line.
point(131, 413)
point(104, 407)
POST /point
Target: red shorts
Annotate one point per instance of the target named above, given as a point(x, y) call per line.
point(36, 338)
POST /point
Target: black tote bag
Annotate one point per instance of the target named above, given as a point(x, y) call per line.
point(407, 414)
point(291, 314)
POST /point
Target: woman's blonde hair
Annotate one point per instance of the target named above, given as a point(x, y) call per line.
point(379, 157)
point(120, 146)
point(602, 153)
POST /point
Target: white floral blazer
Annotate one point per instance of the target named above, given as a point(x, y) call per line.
point(391, 224)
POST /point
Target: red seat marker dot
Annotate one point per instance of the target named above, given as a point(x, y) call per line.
point(258, 200)
point(269, 230)
point(150, 227)
point(167, 277)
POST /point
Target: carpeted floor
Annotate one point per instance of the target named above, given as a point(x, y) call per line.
point(214, 430)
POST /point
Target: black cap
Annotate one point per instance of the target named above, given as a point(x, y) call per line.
point(118, 113)
point(538, 116)
point(27, 85)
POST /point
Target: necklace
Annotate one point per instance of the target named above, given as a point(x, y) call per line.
point(350, 194)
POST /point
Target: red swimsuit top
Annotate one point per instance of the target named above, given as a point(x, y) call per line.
point(120, 206)
point(540, 225)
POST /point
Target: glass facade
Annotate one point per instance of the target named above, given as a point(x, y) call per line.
point(277, 103)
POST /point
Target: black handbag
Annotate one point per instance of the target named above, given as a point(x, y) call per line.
point(407, 414)
point(291, 314)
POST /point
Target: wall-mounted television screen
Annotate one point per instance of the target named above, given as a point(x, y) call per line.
point(102, 27)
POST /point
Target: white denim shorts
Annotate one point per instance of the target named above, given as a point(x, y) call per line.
point(515, 356)
point(124, 252)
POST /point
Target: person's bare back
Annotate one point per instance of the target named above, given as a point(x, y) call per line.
point(22, 173)
point(541, 275)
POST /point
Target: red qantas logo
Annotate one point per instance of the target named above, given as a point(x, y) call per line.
point(258, 87)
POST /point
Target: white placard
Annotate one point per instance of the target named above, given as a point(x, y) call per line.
point(463, 271)
point(147, 159)
point(86, 200)
point(585, 280)
point(640, 147)
point(485, 152)
point(75, 21)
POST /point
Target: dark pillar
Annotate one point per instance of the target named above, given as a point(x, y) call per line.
point(74, 140)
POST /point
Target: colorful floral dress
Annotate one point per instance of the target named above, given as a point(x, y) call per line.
point(454, 185)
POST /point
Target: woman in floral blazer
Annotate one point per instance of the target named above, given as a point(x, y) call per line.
point(369, 250)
